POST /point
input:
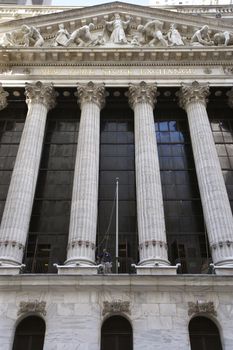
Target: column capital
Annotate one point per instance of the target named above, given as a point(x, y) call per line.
point(91, 92)
point(230, 98)
point(3, 98)
point(142, 93)
point(192, 93)
point(39, 92)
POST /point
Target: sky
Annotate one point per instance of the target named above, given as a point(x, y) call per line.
point(94, 2)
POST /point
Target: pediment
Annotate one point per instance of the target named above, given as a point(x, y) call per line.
point(48, 25)
point(95, 34)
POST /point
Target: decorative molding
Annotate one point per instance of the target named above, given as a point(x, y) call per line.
point(12, 243)
point(35, 306)
point(3, 98)
point(201, 307)
point(81, 243)
point(41, 93)
point(91, 92)
point(116, 306)
point(142, 93)
point(153, 243)
point(193, 93)
point(222, 244)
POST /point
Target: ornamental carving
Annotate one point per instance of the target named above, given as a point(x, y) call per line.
point(40, 93)
point(116, 306)
point(91, 92)
point(201, 307)
point(35, 306)
point(142, 93)
point(120, 29)
point(193, 93)
point(3, 98)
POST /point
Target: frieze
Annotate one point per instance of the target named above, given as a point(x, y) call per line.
point(201, 307)
point(35, 306)
point(116, 306)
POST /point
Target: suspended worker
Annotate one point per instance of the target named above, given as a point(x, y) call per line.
point(106, 261)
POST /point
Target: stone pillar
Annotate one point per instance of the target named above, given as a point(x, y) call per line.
point(83, 217)
point(150, 211)
point(17, 212)
point(214, 198)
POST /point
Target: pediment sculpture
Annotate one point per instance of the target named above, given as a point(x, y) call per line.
point(116, 32)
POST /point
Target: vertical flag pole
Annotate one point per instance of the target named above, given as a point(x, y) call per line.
point(117, 228)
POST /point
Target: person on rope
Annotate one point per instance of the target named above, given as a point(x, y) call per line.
point(106, 261)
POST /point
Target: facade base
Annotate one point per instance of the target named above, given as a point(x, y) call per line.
point(77, 269)
point(11, 269)
point(156, 270)
point(223, 270)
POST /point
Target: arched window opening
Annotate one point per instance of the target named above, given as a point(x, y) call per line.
point(29, 334)
point(116, 334)
point(204, 334)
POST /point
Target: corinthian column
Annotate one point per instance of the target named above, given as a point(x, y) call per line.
point(214, 198)
point(150, 212)
point(17, 212)
point(83, 217)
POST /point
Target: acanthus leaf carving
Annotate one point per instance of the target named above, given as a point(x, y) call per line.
point(34, 306)
point(116, 306)
point(201, 307)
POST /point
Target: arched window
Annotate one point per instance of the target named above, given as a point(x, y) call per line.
point(29, 334)
point(116, 334)
point(204, 334)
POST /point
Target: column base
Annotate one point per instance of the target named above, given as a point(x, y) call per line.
point(11, 269)
point(223, 269)
point(156, 269)
point(77, 269)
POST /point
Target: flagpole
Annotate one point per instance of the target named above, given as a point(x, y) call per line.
point(117, 227)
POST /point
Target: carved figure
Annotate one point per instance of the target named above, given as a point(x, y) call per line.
point(81, 35)
point(174, 36)
point(201, 37)
point(117, 29)
point(152, 29)
point(32, 36)
point(62, 36)
point(225, 38)
point(98, 41)
point(14, 38)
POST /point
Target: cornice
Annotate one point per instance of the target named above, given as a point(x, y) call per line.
point(77, 15)
point(116, 56)
point(130, 282)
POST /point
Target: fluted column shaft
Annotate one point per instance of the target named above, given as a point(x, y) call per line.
point(150, 212)
point(18, 207)
point(215, 202)
point(83, 219)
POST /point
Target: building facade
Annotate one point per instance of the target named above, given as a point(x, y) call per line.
point(116, 157)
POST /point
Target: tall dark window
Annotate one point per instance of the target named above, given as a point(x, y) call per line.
point(222, 128)
point(116, 334)
point(117, 160)
point(29, 334)
point(49, 226)
point(12, 120)
point(204, 334)
point(186, 236)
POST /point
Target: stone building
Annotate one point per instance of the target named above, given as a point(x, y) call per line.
point(108, 97)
